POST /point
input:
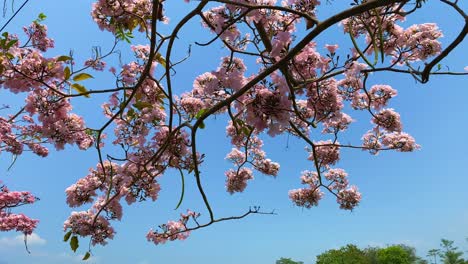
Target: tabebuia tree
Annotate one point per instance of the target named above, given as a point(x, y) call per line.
point(293, 87)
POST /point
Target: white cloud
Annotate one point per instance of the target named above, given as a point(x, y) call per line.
point(33, 239)
point(78, 258)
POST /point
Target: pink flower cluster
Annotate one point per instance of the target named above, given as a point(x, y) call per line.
point(388, 119)
point(325, 153)
point(58, 125)
point(96, 64)
point(218, 20)
point(303, 94)
point(88, 223)
point(307, 197)
point(348, 197)
point(374, 140)
point(131, 181)
point(173, 230)
point(236, 180)
point(25, 69)
point(113, 15)
point(37, 34)
point(418, 42)
point(17, 222)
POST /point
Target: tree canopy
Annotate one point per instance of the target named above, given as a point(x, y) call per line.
point(150, 127)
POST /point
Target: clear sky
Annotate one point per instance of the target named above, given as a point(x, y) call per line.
point(412, 198)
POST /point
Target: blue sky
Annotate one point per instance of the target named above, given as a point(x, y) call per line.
point(412, 198)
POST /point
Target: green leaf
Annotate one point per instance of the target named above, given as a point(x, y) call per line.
point(86, 256)
point(66, 73)
point(200, 113)
point(41, 17)
point(159, 58)
point(74, 243)
point(141, 105)
point(131, 113)
point(202, 125)
point(246, 131)
point(80, 89)
point(82, 76)
point(67, 236)
point(64, 58)
point(11, 43)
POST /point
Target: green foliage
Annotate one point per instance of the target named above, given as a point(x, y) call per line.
point(40, 18)
point(6, 42)
point(86, 256)
point(288, 261)
point(67, 236)
point(80, 89)
point(125, 35)
point(64, 58)
point(394, 255)
point(82, 76)
point(74, 244)
point(450, 254)
point(349, 254)
point(66, 73)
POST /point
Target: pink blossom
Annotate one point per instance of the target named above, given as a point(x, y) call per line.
point(331, 48)
point(126, 15)
point(192, 105)
point(206, 83)
point(95, 64)
point(326, 153)
point(349, 198)
point(236, 181)
point(279, 43)
point(236, 156)
point(371, 142)
point(173, 230)
point(218, 21)
point(15, 222)
point(400, 141)
point(311, 178)
point(268, 109)
point(306, 197)
point(388, 119)
point(87, 223)
point(338, 177)
point(324, 99)
point(268, 167)
point(38, 35)
point(141, 51)
point(380, 94)
point(337, 122)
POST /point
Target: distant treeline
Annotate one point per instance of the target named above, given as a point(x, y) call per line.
point(448, 253)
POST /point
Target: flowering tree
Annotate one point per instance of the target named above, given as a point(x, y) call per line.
point(297, 88)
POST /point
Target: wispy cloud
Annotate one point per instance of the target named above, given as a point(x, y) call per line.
point(71, 258)
point(33, 239)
